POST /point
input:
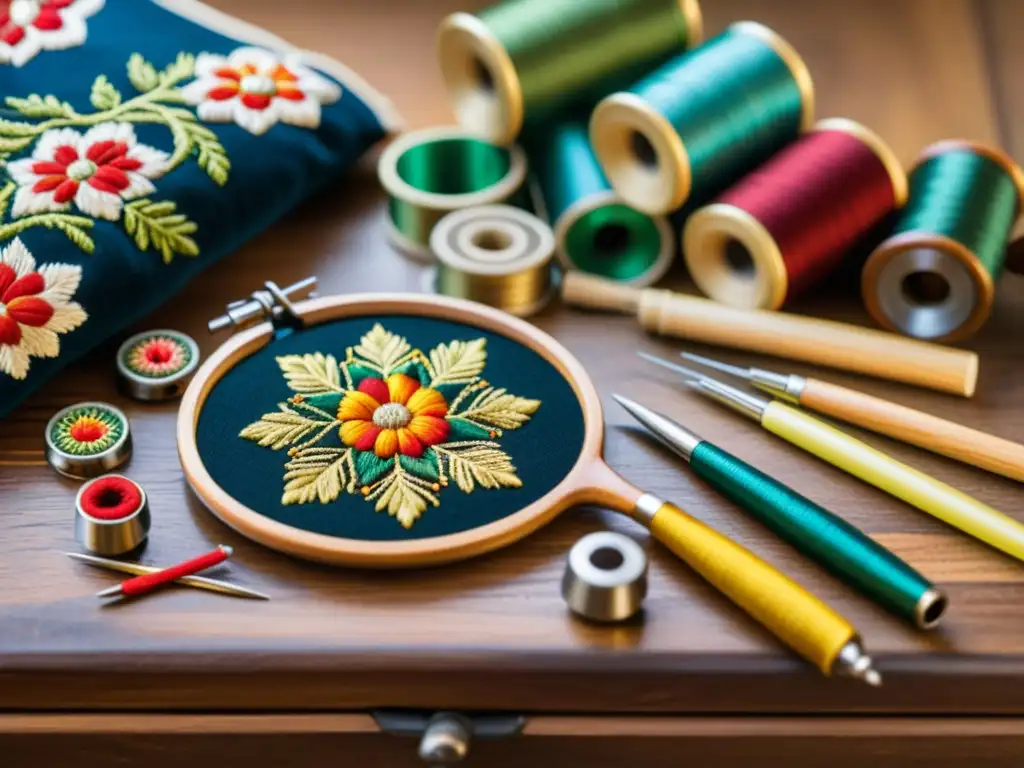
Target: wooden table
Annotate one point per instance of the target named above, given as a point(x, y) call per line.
point(290, 682)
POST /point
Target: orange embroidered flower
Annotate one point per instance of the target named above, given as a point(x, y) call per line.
point(393, 416)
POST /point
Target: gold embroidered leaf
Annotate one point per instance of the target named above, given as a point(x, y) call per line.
point(458, 362)
point(319, 475)
point(311, 374)
point(104, 95)
point(497, 408)
point(142, 74)
point(404, 496)
point(279, 430)
point(483, 464)
point(382, 349)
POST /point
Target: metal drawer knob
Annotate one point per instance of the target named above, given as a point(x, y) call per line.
point(445, 740)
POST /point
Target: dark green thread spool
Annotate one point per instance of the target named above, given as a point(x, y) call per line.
point(823, 537)
point(522, 60)
point(594, 230)
point(935, 276)
point(430, 173)
point(704, 119)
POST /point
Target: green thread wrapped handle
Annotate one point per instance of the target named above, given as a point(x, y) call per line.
point(822, 536)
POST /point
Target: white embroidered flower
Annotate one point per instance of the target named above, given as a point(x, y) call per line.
point(97, 171)
point(35, 306)
point(256, 89)
point(30, 26)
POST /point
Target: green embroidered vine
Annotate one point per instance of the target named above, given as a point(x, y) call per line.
point(152, 224)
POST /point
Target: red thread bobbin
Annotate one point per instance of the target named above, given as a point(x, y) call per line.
point(787, 225)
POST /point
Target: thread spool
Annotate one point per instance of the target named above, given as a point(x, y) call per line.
point(605, 577)
point(495, 255)
point(111, 515)
point(935, 276)
point(787, 225)
point(157, 365)
point(692, 127)
point(432, 172)
point(523, 60)
point(87, 440)
point(595, 231)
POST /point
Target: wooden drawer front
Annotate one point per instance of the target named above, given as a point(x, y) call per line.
point(314, 741)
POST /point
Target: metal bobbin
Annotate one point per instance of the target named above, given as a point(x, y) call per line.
point(495, 255)
point(157, 365)
point(605, 577)
point(87, 440)
point(111, 515)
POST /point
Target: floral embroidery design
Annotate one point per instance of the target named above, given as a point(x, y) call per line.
point(87, 430)
point(30, 26)
point(158, 356)
point(35, 306)
point(106, 173)
point(256, 89)
point(392, 424)
point(98, 171)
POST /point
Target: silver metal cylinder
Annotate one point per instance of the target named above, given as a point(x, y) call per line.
point(111, 515)
point(605, 577)
point(88, 439)
point(157, 365)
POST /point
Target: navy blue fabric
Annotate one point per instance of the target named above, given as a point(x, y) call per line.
point(544, 450)
point(270, 175)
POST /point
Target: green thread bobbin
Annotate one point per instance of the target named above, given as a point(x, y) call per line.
point(432, 172)
point(520, 61)
point(704, 119)
point(595, 231)
point(935, 276)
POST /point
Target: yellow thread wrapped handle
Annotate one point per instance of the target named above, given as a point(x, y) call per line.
point(793, 614)
point(882, 471)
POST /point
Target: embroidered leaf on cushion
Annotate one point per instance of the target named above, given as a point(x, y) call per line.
point(35, 307)
point(376, 425)
point(30, 26)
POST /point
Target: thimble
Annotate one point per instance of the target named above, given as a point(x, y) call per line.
point(87, 440)
point(111, 515)
point(605, 577)
point(157, 365)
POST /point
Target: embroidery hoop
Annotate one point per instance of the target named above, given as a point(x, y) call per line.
point(590, 481)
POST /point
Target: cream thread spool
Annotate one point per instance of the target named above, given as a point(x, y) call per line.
point(435, 171)
point(495, 255)
point(605, 577)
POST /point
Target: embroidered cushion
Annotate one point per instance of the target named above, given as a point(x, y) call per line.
point(133, 134)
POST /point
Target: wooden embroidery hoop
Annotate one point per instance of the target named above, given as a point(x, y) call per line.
point(590, 481)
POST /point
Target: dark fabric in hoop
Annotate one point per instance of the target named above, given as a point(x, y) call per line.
point(544, 450)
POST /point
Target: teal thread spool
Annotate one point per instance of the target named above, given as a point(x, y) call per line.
point(594, 230)
point(704, 119)
point(432, 172)
point(522, 60)
point(935, 276)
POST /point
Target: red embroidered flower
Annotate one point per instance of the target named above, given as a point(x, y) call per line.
point(111, 497)
point(158, 356)
point(97, 171)
point(256, 89)
point(394, 416)
point(29, 26)
point(35, 306)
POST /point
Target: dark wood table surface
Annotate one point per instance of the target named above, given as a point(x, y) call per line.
point(494, 632)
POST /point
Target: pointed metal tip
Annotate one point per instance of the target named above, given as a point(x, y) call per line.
point(718, 365)
point(229, 551)
point(873, 678)
point(681, 369)
point(114, 591)
point(625, 402)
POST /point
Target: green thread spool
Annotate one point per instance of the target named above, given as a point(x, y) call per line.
point(519, 61)
point(704, 119)
point(432, 172)
point(595, 231)
point(935, 276)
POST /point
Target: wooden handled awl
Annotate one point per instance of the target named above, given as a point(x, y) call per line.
point(836, 345)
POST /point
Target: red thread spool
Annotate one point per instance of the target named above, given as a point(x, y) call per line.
point(785, 226)
point(111, 515)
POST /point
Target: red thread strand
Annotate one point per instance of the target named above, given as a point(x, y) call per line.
point(111, 497)
point(816, 198)
point(140, 585)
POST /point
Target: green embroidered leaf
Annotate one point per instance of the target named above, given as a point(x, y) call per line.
point(76, 235)
point(370, 468)
point(483, 464)
point(279, 430)
point(320, 475)
point(104, 95)
point(142, 74)
point(311, 374)
point(183, 67)
point(158, 224)
point(12, 145)
point(403, 496)
point(5, 197)
point(212, 158)
point(460, 429)
point(35, 106)
point(458, 362)
point(424, 467)
point(9, 128)
point(354, 374)
point(383, 349)
point(497, 408)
